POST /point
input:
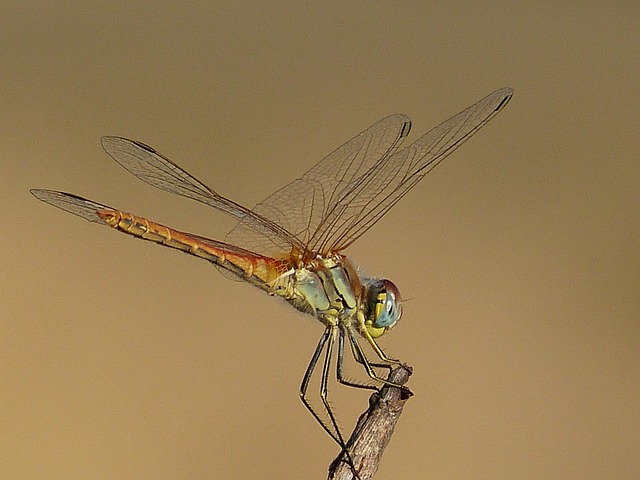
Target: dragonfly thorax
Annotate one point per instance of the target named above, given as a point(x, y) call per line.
point(327, 288)
point(331, 290)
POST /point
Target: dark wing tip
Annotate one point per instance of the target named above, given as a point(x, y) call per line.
point(405, 129)
point(507, 93)
point(71, 203)
point(113, 144)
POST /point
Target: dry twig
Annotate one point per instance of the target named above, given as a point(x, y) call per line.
point(374, 429)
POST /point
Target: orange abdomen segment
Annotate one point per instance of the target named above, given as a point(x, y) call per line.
point(249, 266)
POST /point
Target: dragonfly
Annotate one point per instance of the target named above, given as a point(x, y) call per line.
point(291, 245)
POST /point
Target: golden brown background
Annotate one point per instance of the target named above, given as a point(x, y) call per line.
point(520, 254)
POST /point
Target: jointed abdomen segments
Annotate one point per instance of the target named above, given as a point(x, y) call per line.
point(261, 270)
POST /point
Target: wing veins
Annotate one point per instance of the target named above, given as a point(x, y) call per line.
point(305, 204)
point(153, 168)
point(449, 135)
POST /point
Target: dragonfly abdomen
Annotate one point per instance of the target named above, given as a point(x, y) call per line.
point(256, 269)
point(142, 228)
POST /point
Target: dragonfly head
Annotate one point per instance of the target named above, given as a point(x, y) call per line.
point(383, 306)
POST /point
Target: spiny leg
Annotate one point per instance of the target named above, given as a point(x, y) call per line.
point(307, 378)
point(361, 358)
point(340, 365)
point(326, 369)
point(328, 335)
point(374, 345)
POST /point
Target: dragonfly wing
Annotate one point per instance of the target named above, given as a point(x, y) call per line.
point(75, 204)
point(303, 206)
point(157, 170)
point(236, 263)
point(386, 182)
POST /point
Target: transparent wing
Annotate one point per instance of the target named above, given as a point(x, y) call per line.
point(304, 206)
point(155, 169)
point(336, 201)
point(344, 195)
point(383, 186)
point(88, 209)
point(75, 204)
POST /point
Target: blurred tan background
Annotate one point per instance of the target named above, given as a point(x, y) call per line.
point(520, 254)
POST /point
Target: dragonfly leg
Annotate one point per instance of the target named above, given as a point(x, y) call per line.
point(371, 341)
point(326, 369)
point(307, 379)
point(325, 344)
point(361, 358)
point(358, 355)
point(340, 364)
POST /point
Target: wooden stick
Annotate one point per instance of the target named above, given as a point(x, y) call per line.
point(374, 429)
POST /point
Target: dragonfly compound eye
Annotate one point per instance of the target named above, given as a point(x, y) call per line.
point(387, 310)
